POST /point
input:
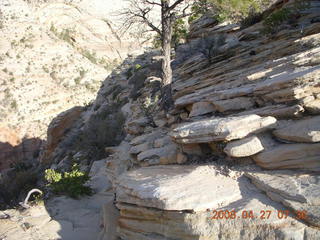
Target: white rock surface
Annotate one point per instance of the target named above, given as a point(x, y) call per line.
point(177, 188)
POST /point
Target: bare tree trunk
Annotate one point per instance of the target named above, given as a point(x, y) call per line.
point(166, 21)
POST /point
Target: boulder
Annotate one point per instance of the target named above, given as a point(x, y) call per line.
point(300, 192)
point(290, 156)
point(244, 147)
point(221, 129)
point(307, 130)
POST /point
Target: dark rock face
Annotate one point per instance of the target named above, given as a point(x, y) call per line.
point(57, 129)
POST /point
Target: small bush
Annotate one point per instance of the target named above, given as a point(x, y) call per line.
point(253, 18)
point(68, 183)
point(14, 104)
point(91, 56)
point(234, 10)
point(15, 188)
point(278, 17)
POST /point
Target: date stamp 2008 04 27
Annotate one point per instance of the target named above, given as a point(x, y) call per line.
point(263, 214)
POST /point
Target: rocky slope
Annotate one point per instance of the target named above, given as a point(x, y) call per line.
point(251, 105)
point(237, 158)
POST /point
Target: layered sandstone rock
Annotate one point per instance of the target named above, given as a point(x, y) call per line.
point(296, 156)
point(221, 129)
point(307, 131)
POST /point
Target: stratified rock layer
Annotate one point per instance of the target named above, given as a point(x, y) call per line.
point(294, 156)
point(307, 131)
point(220, 129)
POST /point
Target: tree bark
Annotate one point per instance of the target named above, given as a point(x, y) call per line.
point(166, 22)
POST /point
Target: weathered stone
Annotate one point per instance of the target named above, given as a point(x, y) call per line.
point(160, 122)
point(57, 129)
point(287, 156)
point(313, 106)
point(192, 148)
point(239, 103)
point(307, 130)
point(278, 111)
point(163, 155)
point(118, 162)
point(221, 129)
point(136, 126)
point(183, 116)
point(244, 147)
point(161, 142)
point(201, 108)
point(150, 137)
point(140, 148)
point(300, 192)
point(181, 158)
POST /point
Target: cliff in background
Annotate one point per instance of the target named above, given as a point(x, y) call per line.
point(243, 138)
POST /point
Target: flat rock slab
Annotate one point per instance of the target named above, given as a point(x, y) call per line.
point(244, 147)
point(222, 129)
point(298, 191)
point(290, 156)
point(177, 187)
point(307, 131)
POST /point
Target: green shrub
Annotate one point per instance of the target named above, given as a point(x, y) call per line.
point(235, 10)
point(68, 183)
point(179, 34)
point(14, 104)
point(278, 17)
point(91, 56)
point(138, 67)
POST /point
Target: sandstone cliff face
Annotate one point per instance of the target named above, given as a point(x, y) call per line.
point(243, 136)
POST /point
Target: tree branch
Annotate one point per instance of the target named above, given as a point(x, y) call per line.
point(139, 13)
point(153, 3)
point(174, 5)
point(184, 13)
